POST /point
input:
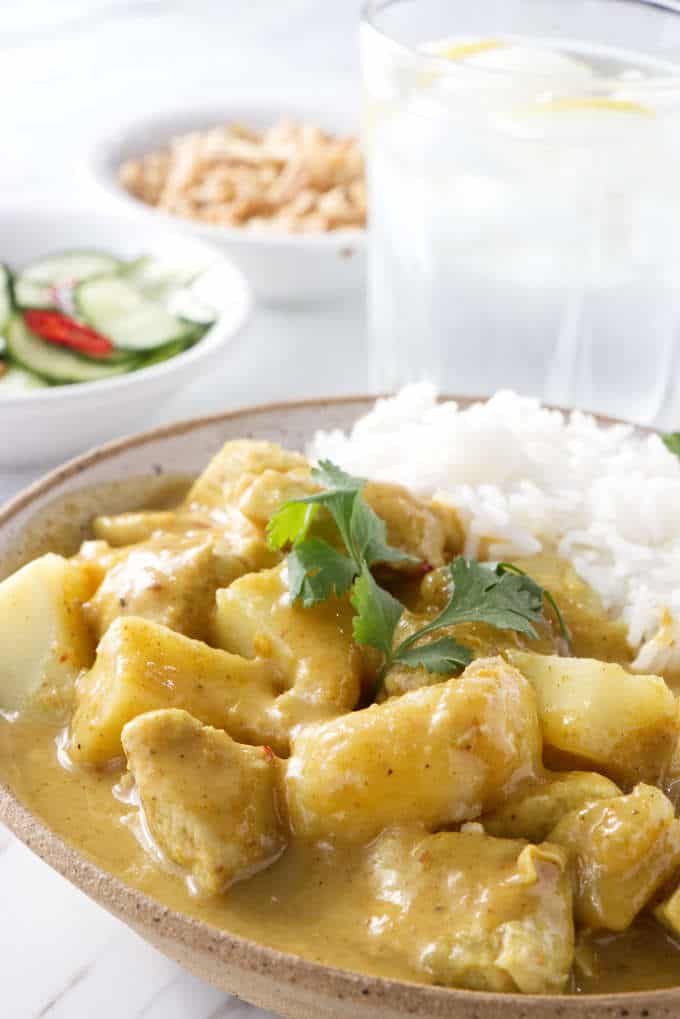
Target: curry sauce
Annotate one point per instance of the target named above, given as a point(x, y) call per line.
point(230, 753)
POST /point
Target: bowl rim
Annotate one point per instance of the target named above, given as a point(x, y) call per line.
point(141, 910)
point(219, 334)
point(105, 157)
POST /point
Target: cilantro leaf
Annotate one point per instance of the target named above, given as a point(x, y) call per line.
point(368, 535)
point(363, 534)
point(480, 595)
point(673, 442)
point(377, 613)
point(291, 523)
point(511, 568)
point(504, 596)
point(340, 505)
point(331, 476)
point(444, 656)
point(316, 571)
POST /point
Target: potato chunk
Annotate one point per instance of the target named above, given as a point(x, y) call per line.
point(621, 724)
point(437, 755)
point(141, 666)
point(668, 912)
point(623, 850)
point(313, 649)
point(44, 639)
point(533, 812)
point(593, 632)
point(467, 910)
point(672, 776)
point(170, 582)
point(234, 468)
point(209, 802)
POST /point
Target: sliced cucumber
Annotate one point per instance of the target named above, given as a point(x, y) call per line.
point(164, 353)
point(36, 283)
point(6, 301)
point(69, 266)
point(170, 285)
point(186, 305)
point(157, 279)
point(115, 307)
point(34, 295)
point(15, 381)
point(55, 364)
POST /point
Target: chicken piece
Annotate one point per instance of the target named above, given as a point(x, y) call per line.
point(268, 491)
point(210, 803)
point(44, 638)
point(438, 755)
point(231, 472)
point(141, 666)
point(238, 543)
point(621, 724)
point(97, 557)
point(622, 850)
point(169, 579)
point(312, 649)
point(140, 525)
point(467, 910)
point(421, 530)
point(238, 488)
point(533, 812)
point(241, 539)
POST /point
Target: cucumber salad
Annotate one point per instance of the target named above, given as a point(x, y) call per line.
point(82, 316)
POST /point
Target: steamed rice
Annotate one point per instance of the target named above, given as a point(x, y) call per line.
point(526, 479)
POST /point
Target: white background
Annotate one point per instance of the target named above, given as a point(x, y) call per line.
point(69, 71)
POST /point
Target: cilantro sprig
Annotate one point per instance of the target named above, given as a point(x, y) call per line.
point(503, 596)
point(316, 569)
point(673, 442)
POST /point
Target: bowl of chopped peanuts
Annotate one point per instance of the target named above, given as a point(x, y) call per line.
point(280, 190)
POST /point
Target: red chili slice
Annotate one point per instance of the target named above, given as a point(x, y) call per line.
point(57, 328)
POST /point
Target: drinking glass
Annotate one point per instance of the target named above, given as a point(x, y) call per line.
point(524, 192)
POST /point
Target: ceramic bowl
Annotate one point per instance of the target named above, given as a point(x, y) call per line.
point(44, 426)
point(279, 267)
point(283, 983)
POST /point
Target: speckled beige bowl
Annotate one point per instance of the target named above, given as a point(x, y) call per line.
point(283, 983)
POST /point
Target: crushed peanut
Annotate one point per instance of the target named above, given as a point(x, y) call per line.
point(290, 178)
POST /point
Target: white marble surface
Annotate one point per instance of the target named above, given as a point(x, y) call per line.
point(72, 68)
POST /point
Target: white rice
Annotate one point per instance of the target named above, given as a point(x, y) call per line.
point(528, 478)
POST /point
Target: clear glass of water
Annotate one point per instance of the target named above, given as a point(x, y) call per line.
point(524, 194)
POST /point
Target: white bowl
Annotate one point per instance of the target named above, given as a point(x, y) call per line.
point(45, 425)
point(279, 267)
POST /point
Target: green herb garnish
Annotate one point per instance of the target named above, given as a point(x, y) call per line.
point(315, 568)
point(503, 596)
point(544, 593)
point(673, 442)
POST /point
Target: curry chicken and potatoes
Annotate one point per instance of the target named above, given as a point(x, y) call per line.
point(290, 707)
